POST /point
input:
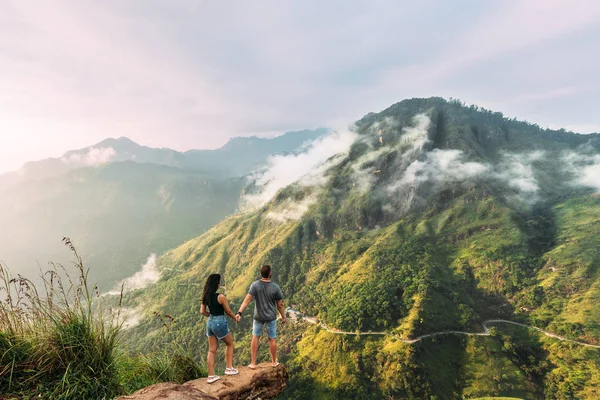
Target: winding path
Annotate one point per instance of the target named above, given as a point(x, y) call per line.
point(486, 332)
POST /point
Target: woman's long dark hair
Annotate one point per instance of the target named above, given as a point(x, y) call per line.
point(211, 287)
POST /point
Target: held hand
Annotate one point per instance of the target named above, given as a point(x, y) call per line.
point(238, 318)
point(283, 320)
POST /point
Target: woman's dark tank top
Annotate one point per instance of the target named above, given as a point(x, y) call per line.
point(214, 307)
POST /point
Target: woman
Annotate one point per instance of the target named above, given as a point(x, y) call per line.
point(216, 327)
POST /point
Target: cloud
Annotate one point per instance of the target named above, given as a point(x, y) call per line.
point(145, 277)
point(131, 317)
point(291, 210)
point(585, 168)
point(517, 171)
point(415, 173)
point(94, 156)
point(412, 141)
point(590, 174)
point(307, 168)
point(443, 166)
point(437, 170)
point(432, 171)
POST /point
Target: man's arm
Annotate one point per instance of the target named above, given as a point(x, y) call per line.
point(245, 303)
point(281, 310)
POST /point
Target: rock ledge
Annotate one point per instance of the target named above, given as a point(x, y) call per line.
point(265, 382)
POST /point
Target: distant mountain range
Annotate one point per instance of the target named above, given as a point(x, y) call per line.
point(120, 201)
point(236, 158)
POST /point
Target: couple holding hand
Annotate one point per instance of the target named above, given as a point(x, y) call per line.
point(268, 299)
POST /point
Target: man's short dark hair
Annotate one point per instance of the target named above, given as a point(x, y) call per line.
point(265, 271)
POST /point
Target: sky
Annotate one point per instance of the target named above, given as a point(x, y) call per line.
point(190, 74)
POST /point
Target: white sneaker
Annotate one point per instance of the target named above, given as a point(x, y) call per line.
point(213, 378)
point(231, 371)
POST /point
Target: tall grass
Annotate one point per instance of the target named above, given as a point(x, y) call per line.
point(62, 342)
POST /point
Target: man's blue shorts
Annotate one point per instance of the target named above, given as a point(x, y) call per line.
point(257, 327)
point(217, 326)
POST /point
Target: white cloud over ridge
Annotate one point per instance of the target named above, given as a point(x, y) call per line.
point(411, 142)
point(439, 166)
point(292, 211)
point(517, 171)
point(431, 171)
point(416, 173)
point(94, 156)
point(306, 168)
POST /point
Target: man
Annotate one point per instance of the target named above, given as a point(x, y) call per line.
point(268, 300)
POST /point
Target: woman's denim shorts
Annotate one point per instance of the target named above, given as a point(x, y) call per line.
point(217, 326)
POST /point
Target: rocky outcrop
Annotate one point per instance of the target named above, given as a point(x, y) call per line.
point(264, 382)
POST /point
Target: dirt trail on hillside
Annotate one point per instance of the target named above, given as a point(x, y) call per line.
point(486, 332)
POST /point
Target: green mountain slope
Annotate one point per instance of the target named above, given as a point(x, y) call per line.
point(437, 218)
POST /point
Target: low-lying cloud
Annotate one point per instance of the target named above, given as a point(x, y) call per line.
point(518, 172)
point(307, 169)
point(291, 210)
point(436, 170)
point(440, 166)
point(131, 317)
point(94, 156)
point(420, 172)
point(411, 143)
point(145, 277)
point(398, 166)
point(590, 174)
point(584, 167)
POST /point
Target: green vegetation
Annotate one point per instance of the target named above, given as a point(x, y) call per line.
point(62, 343)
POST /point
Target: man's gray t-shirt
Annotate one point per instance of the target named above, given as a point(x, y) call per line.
point(266, 295)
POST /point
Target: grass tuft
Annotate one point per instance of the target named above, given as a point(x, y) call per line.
point(62, 343)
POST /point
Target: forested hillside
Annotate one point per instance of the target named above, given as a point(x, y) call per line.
point(436, 217)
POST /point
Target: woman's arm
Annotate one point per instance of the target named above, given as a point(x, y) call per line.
point(203, 311)
point(223, 301)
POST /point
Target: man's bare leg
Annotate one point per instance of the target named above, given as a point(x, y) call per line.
point(273, 350)
point(254, 351)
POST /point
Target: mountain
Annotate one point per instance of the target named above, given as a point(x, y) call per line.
point(436, 218)
point(236, 158)
point(121, 202)
point(239, 155)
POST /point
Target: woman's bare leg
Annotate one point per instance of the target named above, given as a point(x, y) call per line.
point(228, 340)
point(213, 343)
